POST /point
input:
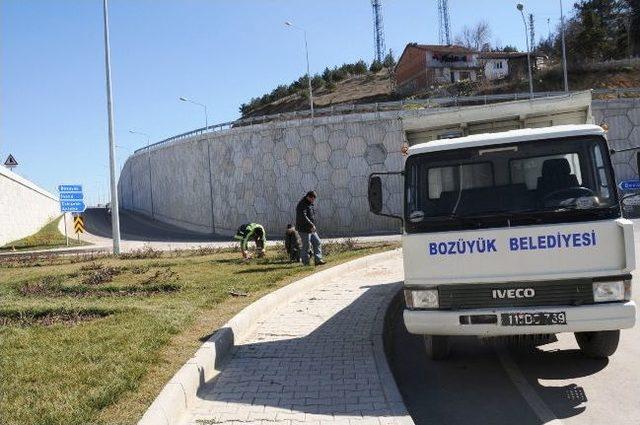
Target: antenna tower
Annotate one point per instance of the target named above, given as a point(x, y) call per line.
point(378, 30)
point(444, 32)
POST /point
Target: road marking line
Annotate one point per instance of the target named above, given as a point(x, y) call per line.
point(542, 411)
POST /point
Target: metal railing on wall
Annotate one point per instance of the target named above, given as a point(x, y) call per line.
point(406, 104)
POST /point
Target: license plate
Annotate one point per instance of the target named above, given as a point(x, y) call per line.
point(533, 319)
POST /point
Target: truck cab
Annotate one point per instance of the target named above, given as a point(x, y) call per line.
point(515, 233)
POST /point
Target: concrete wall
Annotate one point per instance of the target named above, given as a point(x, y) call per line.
point(215, 182)
point(623, 118)
point(259, 173)
point(24, 207)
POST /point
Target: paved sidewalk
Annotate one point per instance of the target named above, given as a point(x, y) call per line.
point(312, 360)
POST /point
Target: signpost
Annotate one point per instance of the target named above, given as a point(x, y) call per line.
point(629, 185)
point(71, 200)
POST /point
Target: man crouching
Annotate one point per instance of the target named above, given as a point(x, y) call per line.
point(251, 231)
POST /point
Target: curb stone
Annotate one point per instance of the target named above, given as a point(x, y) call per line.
point(180, 393)
point(389, 387)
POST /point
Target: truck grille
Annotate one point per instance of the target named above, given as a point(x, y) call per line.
point(576, 292)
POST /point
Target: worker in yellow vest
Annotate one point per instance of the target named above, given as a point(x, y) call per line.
point(248, 232)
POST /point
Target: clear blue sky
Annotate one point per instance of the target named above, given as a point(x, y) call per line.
point(52, 82)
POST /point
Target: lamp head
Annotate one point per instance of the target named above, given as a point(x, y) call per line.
point(182, 99)
point(287, 23)
point(520, 7)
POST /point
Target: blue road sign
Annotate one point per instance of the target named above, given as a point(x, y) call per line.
point(70, 188)
point(71, 196)
point(72, 206)
point(629, 185)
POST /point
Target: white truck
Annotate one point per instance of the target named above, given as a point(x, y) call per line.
point(515, 233)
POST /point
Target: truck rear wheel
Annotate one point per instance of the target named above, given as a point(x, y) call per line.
point(598, 345)
point(437, 346)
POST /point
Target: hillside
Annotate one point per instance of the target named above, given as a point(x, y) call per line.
point(378, 87)
point(367, 88)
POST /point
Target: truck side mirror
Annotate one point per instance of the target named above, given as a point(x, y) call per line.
point(375, 194)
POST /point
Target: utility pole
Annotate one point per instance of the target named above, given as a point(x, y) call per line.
point(306, 49)
point(532, 32)
point(202, 105)
point(520, 7)
point(115, 210)
point(564, 51)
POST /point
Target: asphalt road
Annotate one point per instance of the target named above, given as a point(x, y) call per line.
point(485, 384)
point(138, 227)
point(138, 231)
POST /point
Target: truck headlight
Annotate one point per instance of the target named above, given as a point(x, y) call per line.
point(423, 298)
point(611, 291)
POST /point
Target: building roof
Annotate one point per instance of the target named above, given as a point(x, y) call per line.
point(503, 55)
point(452, 48)
point(505, 137)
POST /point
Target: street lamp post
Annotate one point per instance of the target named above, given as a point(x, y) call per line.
point(148, 165)
point(520, 7)
point(206, 116)
point(206, 119)
point(306, 49)
point(115, 210)
point(564, 51)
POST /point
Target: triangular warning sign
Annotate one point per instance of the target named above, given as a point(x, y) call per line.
point(11, 161)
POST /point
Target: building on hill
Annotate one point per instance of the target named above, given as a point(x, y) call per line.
point(498, 65)
point(422, 65)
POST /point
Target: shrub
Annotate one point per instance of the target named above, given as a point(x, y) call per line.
point(389, 61)
point(317, 81)
point(327, 75)
point(360, 67)
point(376, 66)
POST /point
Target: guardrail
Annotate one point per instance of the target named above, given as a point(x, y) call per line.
point(441, 102)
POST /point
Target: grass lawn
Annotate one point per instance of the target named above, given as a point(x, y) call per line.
point(47, 237)
point(92, 339)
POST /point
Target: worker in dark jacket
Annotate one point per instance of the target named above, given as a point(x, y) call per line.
point(292, 243)
point(305, 223)
point(251, 231)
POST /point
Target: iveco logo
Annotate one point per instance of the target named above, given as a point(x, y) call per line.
point(513, 293)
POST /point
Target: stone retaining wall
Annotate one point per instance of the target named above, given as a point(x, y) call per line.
point(217, 181)
point(259, 173)
point(623, 118)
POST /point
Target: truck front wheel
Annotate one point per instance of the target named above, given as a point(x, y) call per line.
point(598, 345)
point(437, 346)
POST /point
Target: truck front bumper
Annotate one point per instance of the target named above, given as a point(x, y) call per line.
point(586, 318)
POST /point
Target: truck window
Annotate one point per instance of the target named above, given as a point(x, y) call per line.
point(529, 170)
point(467, 176)
point(560, 180)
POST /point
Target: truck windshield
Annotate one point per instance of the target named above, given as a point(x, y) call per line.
point(542, 181)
